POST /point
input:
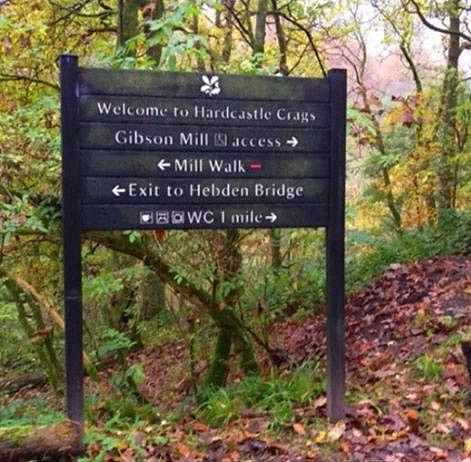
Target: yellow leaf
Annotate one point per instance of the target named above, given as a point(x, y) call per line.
point(467, 446)
point(122, 446)
point(336, 431)
point(321, 437)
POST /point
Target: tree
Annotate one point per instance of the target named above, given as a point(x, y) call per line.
point(450, 12)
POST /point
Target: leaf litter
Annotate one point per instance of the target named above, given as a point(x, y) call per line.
point(407, 385)
point(406, 380)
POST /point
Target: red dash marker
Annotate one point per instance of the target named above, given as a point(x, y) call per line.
point(255, 165)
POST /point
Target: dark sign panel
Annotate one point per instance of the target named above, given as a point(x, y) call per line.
point(193, 140)
point(154, 137)
point(188, 85)
point(109, 190)
point(202, 165)
point(152, 216)
point(193, 111)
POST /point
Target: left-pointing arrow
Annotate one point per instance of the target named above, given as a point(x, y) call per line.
point(163, 164)
point(117, 190)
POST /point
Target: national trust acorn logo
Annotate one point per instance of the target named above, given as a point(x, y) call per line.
point(211, 85)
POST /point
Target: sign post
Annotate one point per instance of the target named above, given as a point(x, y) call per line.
point(153, 150)
point(336, 250)
point(71, 229)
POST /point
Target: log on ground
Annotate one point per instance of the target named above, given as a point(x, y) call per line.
point(40, 442)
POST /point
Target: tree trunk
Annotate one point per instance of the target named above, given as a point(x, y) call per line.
point(151, 297)
point(379, 145)
point(155, 52)
point(275, 246)
point(228, 36)
point(280, 34)
point(231, 332)
point(15, 384)
point(42, 344)
point(50, 442)
point(231, 329)
point(196, 31)
point(466, 349)
point(260, 27)
point(448, 114)
point(127, 21)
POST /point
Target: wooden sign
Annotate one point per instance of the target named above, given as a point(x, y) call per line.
point(155, 150)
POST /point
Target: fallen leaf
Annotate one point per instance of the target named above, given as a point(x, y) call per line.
point(336, 431)
point(321, 437)
point(299, 429)
point(277, 448)
point(183, 449)
point(346, 447)
point(463, 424)
point(443, 428)
point(467, 446)
point(440, 453)
point(319, 402)
point(128, 455)
point(233, 456)
point(413, 420)
point(435, 406)
point(200, 427)
point(311, 454)
point(122, 446)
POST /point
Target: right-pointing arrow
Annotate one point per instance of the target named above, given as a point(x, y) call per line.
point(293, 141)
point(272, 217)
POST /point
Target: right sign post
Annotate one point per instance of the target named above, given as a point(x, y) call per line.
point(150, 150)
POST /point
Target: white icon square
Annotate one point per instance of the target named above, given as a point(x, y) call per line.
point(178, 217)
point(162, 218)
point(146, 218)
point(220, 140)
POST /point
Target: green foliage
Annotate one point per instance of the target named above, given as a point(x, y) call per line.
point(278, 395)
point(11, 356)
point(369, 255)
point(35, 411)
point(289, 290)
point(429, 368)
point(102, 286)
point(298, 285)
point(178, 44)
point(114, 341)
point(117, 435)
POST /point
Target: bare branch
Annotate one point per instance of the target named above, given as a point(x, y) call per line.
point(308, 36)
point(431, 26)
point(13, 78)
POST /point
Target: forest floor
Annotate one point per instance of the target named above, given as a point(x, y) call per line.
point(407, 383)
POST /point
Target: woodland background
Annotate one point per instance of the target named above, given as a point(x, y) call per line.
point(210, 343)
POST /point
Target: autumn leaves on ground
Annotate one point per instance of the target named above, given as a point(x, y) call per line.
point(407, 386)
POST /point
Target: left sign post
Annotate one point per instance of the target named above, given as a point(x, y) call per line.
point(71, 231)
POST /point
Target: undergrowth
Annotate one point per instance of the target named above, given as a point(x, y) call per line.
point(278, 396)
point(368, 255)
point(36, 411)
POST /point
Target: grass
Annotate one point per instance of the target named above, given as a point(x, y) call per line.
point(277, 396)
point(36, 411)
point(428, 367)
